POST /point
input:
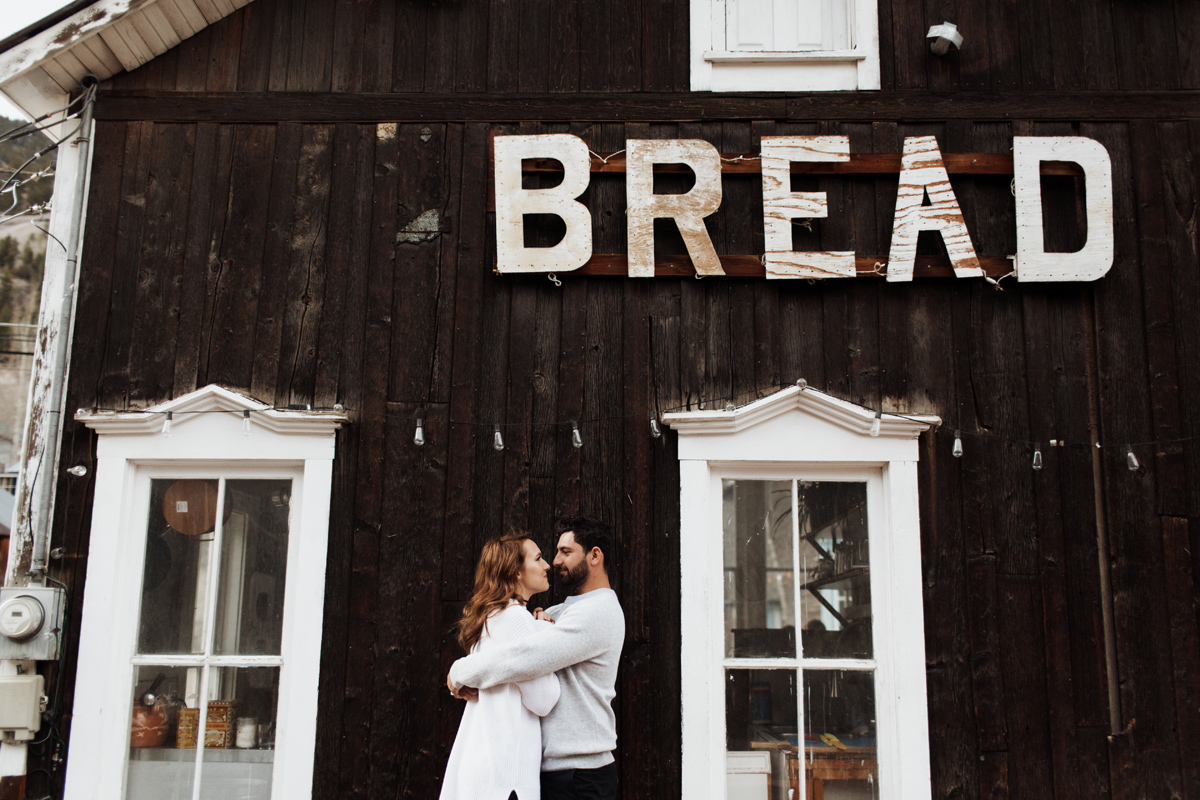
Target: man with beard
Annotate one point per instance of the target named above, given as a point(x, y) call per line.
point(583, 647)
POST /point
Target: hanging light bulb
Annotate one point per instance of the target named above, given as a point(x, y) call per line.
point(245, 422)
point(576, 437)
point(1037, 456)
point(654, 430)
point(419, 436)
point(875, 423)
point(1130, 459)
point(166, 429)
point(957, 451)
point(497, 439)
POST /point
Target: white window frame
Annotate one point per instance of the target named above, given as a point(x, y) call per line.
point(206, 440)
point(801, 433)
point(716, 68)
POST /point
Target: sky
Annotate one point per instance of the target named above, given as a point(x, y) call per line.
point(15, 15)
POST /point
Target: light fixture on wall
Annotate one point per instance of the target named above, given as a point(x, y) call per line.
point(576, 436)
point(419, 436)
point(957, 451)
point(497, 439)
point(944, 36)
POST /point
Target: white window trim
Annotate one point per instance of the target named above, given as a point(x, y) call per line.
point(805, 434)
point(714, 68)
point(132, 449)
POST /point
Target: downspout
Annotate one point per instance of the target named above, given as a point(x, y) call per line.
point(44, 489)
point(1102, 555)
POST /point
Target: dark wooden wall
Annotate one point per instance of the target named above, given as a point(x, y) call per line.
point(265, 257)
point(273, 258)
point(642, 45)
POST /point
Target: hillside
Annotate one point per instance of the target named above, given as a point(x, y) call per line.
point(22, 257)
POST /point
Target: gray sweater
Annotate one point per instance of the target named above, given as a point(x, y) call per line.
point(583, 647)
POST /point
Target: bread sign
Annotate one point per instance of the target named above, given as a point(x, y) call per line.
point(923, 175)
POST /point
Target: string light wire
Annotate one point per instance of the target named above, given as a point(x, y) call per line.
point(722, 401)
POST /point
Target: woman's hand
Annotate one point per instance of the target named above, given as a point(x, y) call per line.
point(541, 614)
point(461, 692)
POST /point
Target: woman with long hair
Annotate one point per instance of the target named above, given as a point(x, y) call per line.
point(497, 754)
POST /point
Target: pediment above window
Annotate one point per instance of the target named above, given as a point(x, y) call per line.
point(191, 409)
point(799, 423)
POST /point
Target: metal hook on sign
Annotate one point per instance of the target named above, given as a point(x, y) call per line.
point(554, 279)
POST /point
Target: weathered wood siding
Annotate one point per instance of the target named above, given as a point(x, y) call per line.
point(622, 46)
point(274, 258)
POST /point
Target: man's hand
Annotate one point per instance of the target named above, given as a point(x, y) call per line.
point(461, 692)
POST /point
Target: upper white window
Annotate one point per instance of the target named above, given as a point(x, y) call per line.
point(784, 45)
point(802, 629)
point(201, 633)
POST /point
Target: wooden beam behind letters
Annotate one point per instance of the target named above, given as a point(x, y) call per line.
point(859, 164)
point(617, 265)
point(644, 106)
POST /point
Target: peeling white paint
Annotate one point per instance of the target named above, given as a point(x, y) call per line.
point(426, 227)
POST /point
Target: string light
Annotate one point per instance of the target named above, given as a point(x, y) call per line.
point(655, 425)
point(419, 436)
point(1037, 456)
point(245, 422)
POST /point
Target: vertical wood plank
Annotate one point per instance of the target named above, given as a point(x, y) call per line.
point(1143, 758)
point(224, 52)
point(305, 288)
point(113, 383)
point(254, 57)
point(268, 328)
point(469, 164)
point(348, 52)
point(408, 622)
point(236, 280)
point(159, 265)
point(1180, 592)
point(420, 224)
point(564, 45)
point(408, 51)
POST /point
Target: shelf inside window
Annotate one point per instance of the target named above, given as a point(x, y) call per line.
point(211, 755)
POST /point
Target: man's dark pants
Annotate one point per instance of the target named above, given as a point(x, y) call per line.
point(581, 784)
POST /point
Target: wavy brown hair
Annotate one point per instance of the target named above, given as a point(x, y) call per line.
point(495, 584)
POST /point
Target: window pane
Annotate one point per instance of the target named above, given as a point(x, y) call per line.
point(839, 734)
point(158, 770)
point(760, 607)
point(835, 601)
point(254, 545)
point(760, 732)
point(175, 580)
point(239, 755)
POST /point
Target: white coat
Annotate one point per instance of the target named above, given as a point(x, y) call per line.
point(498, 749)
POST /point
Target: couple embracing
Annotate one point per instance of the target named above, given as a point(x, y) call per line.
point(539, 686)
